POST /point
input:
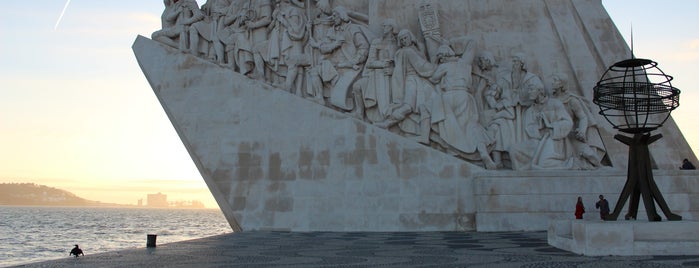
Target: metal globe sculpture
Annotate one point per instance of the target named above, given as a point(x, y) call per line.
point(636, 97)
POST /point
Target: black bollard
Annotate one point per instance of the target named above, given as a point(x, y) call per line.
point(150, 243)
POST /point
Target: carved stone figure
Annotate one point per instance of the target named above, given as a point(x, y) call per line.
point(170, 32)
point(516, 83)
point(584, 137)
point(345, 48)
point(501, 122)
point(208, 29)
point(454, 113)
point(236, 39)
point(498, 113)
point(372, 93)
point(176, 19)
point(258, 16)
point(520, 80)
point(411, 92)
point(547, 125)
point(285, 47)
point(484, 77)
point(323, 20)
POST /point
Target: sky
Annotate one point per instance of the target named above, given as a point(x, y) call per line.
point(76, 113)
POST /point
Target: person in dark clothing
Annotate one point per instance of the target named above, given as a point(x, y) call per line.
point(603, 207)
point(579, 209)
point(687, 165)
point(76, 251)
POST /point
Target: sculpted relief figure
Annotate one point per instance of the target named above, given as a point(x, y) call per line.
point(285, 48)
point(176, 19)
point(484, 77)
point(454, 113)
point(520, 80)
point(258, 16)
point(584, 137)
point(411, 92)
point(547, 125)
point(498, 111)
point(344, 50)
point(372, 93)
point(236, 39)
point(171, 33)
point(323, 19)
point(517, 82)
point(208, 29)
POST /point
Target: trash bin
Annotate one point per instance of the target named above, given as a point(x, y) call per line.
point(151, 241)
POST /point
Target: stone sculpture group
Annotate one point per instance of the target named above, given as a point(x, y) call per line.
point(439, 91)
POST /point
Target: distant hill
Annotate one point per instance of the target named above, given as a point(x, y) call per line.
point(30, 194)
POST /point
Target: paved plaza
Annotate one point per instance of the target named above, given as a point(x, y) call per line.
point(363, 249)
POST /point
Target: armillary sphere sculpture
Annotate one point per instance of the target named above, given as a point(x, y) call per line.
point(636, 97)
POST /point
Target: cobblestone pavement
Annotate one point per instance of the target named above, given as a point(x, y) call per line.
point(363, 249)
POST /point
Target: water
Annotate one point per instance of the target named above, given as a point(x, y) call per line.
point(31, 234)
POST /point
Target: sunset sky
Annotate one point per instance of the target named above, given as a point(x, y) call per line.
point(76, 112)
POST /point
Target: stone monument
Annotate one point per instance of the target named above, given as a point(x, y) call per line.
point(379, 115)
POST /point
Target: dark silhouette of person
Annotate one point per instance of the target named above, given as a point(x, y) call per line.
point(579, 209)
point(603, 207)
point(687, 165)
point(76, 251)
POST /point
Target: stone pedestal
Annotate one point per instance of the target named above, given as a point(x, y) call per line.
point(625, 238)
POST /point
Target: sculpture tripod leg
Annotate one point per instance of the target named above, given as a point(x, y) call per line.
point(640, 182)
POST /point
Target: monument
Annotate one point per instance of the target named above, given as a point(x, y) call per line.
point(416, 115)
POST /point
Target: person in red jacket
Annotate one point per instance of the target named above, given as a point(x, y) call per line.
point(579, 208)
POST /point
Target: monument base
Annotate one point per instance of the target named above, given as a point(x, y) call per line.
point(625, 238)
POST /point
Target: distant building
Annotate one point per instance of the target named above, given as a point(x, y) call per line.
point(157, 200)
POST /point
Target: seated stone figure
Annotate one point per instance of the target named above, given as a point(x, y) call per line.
point(176, 19)
point(546, 127)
